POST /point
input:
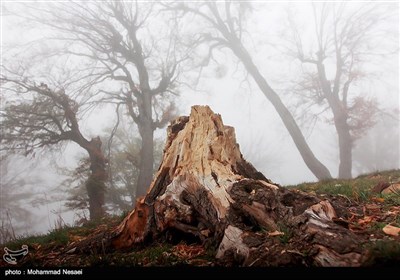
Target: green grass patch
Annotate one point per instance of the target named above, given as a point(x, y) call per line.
point(358, 189)
point(61, 236)
point(392, 199)
point(377, 226)
point(287, 233)
point(54, 237)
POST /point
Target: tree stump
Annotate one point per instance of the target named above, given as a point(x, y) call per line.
point(204, 188)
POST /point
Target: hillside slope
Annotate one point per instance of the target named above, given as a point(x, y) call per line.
point(373, 216)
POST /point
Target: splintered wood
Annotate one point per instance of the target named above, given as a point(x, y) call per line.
point(204, 188)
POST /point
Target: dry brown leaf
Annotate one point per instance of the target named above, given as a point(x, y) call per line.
point(391, 230)
point(395, 208)
point(275, 233)
point(188, 251)
point(365, 220)
point(378, 199)
point(205, 232)
point(75, 238)
point(390, 213)
point(355, 228)
point(372, 207)
point(35, 246)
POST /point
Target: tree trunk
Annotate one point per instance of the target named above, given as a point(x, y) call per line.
point(146, 161)
point(146, 131)
point(95, 185)
point(340, 117)
point(205, 189)
point(314, 165)
point(345, 149)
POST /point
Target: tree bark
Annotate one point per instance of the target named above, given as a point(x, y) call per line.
point(146, 131)
point(146, 161)
point(340, 117)
point(205, 189)
point(95, 185)
point(345, 149)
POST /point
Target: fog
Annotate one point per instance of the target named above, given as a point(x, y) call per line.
point(272, 34)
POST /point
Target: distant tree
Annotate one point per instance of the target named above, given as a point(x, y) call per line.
point(16, 192)
point(124, 165)
point(131, 44)
point(337, 67)
point(223, 27)
point(124, 155)
point(36, 116)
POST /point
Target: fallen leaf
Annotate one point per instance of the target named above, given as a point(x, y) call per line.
point(390, 213)
point(205, 232)
point(370, 209)
point(188, 251)
point(75, 238)
point(391, 230)
point(378, 199)
point(275, 233)
point(71, 251)
point(365, 220)
point(35, 246)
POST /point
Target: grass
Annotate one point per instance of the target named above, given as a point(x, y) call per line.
point(287, 233)
point(392, 199)
point(61, 236)
point(157, 254)
point(154, 255)
point(55, 237)
point(377, 226)
point(358, 189)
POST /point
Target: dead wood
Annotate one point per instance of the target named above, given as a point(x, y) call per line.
point(204, 188)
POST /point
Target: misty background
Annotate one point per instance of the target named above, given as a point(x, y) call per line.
point(42, 189)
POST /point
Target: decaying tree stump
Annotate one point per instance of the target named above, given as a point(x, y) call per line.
point(204, 188)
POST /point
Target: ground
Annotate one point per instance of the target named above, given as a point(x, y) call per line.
point(374, 218)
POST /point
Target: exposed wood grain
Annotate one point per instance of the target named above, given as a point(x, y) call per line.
point(206, 189)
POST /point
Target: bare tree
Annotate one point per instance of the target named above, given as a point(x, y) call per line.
point(123, 153)
point(131, 45)
point(346, 39)
point(42, 117)
point(225, 30)
point(16, 192)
